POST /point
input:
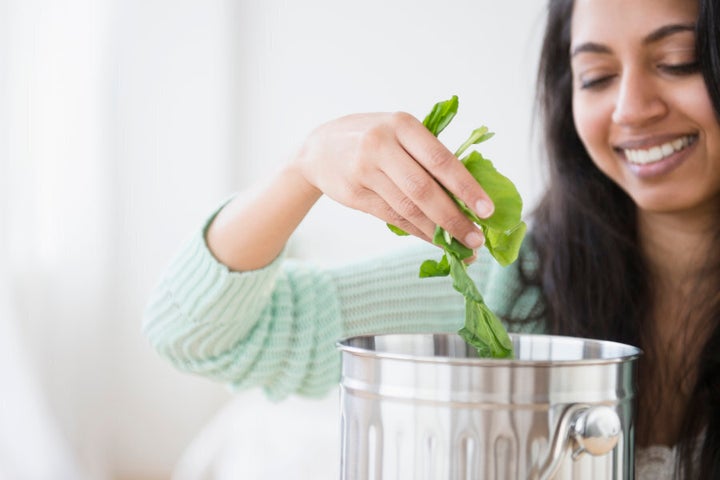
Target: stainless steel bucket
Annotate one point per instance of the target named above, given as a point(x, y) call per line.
point(425, 407)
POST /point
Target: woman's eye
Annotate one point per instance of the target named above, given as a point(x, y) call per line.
point(681, 68)
point(594, 83)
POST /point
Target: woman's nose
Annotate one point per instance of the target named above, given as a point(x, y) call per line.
point(639, 100)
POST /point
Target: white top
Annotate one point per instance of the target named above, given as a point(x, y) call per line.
point(655, 463)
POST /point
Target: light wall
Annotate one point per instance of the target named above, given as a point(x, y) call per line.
point(129, 121)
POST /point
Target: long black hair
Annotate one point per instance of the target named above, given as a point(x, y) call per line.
point(592, 273)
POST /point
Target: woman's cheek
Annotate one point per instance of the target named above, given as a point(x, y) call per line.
point(588, 125)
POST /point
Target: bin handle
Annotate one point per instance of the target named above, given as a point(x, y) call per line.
point(584, 428)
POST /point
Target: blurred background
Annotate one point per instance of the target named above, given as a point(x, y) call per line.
point(123, 124)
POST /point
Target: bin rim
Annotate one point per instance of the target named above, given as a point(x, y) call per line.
point(632, 352)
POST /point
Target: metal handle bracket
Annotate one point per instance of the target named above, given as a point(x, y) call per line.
point(584, 429)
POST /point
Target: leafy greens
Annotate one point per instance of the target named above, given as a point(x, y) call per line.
point(504, 231)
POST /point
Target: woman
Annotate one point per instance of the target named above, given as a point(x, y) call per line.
point(621, 246)
point(615, 205)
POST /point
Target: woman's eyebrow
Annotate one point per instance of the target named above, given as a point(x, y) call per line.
point(590, 47)
point(654, 36)
point(667, 30)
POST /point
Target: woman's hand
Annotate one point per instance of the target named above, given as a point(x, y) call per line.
point(385, 164)
point(391, 166)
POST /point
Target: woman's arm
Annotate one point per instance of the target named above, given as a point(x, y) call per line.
point(228, 310)
point(251, 230)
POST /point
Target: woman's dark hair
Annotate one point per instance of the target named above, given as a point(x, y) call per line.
point(592, 273)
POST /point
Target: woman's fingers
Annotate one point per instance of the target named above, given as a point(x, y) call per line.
point(423, 195)
point(432, 155)
point(391, 166)
point(401, 210)
point(377, 206)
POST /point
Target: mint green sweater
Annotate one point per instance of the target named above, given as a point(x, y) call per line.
point(277, 327)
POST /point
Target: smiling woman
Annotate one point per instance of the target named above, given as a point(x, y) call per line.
point(634, 189)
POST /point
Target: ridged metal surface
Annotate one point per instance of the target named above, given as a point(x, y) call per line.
point(421, 407)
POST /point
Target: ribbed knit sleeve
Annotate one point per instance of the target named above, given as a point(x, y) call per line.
point(274, 328)
point(277, 327)
point(386, 295)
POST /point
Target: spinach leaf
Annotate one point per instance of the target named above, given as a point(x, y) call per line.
point(397, 230)
point(441, 115)
point(504, 246)
point(508, 204)
point(431, 268)
point(504, 232)
point(451, 245)
point(478, 135)
point(482, 329)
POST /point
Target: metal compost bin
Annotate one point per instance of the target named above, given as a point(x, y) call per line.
point(424, 406)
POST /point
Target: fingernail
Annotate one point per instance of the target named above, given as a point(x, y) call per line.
point(484, 208)
point(474, 240)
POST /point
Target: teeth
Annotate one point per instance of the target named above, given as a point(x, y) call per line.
point(654, 154)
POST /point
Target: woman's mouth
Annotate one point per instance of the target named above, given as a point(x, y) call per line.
point(641, 156)
point(658, 159)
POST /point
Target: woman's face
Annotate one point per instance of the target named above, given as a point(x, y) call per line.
point(640, 104)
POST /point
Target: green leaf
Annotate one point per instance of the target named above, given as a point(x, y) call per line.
point(462, 281)
point(431, 268)
point(472, 337)
point(503, 193)
point(505, 246)
point(441, 115)
point(456, 248)
point(502, 339)
point(485, 332)
point(504, 232)
point(478, 135)
point(397, 230)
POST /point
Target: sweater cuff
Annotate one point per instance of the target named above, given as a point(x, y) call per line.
point(199, 289)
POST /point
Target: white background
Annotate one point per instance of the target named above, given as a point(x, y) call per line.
point(124, 123)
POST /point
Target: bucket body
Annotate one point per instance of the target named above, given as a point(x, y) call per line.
point(423, 406)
